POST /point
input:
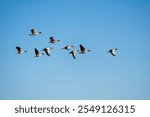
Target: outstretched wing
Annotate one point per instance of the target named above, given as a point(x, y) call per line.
point(33, 31)
point(47, 51)
point(52, 38)
point(82, 48)
point(74, 55)
point(112, 51)
point(18, 49)
point(36, 52)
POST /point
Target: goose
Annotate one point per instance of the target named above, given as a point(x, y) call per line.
point(68, 47)
point(83, 50)
point(113, 51)
point(47, 50)
point(20, 50)
point(37, 53)
point(53, 40)
point(73, 53)
point(34, 32)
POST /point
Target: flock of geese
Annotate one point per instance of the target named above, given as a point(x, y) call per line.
point(47, 50)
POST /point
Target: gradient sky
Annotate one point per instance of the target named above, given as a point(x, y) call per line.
point(98, 25)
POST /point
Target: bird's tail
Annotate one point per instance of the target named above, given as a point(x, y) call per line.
point(40, 32)
point(58, 40)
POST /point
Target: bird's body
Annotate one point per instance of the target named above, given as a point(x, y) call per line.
point(83, 50)
point(113, 51)
point(68, 47)
point(47, 50)
point(73, 53)
point(37, 53)
point(53, 40)
point(34, 32)
point(20, 50)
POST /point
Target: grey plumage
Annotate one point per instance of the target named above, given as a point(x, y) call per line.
point(113, 51)
point(73, 53)
point(20, 50)
point(68, 47)
point(34, 32)
point(37, 53)
point(53, 40)
point(47, 50)
point(83, 50)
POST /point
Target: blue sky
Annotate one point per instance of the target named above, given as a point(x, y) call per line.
point(98, 25)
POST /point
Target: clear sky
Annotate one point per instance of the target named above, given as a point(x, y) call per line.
point(98, 25)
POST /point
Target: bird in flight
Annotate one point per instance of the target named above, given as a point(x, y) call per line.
point(37, 53)
point(34, 32)
point(47, 50)
point(68, 47)
point(113, 51)
point(20, 50)
point(73, 53)
point(83, 50)
point(53, 40)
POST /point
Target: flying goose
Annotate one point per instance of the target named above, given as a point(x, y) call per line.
point(20, 50)
point(47, 50)
point(37, 53)
point(53, 40)
point(83, 50)
point(34, 32)
point(113, 51)
point(73, 53)
point(68, 47)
